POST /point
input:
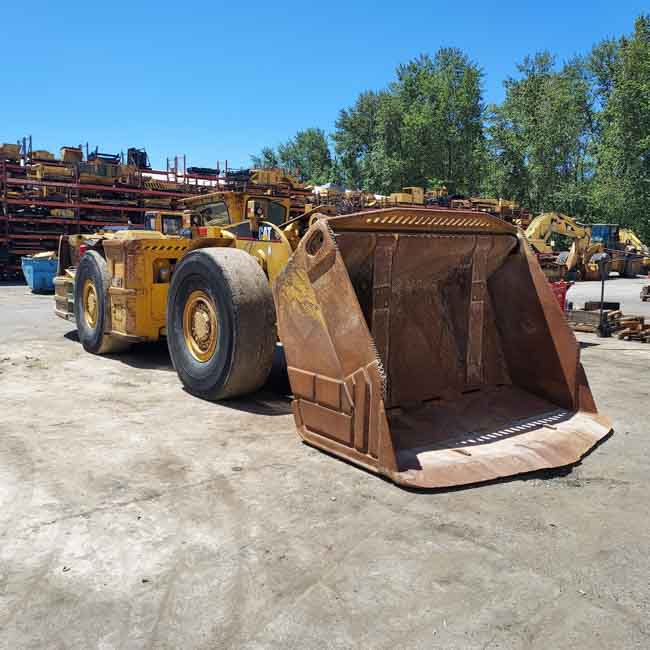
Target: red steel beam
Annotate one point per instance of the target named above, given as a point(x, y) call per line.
point(82, 206)
point(31, 236)
point(103, 188)
point(70, 220)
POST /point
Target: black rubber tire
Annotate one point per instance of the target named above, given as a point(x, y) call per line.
point(246, 338)
point(93, 267)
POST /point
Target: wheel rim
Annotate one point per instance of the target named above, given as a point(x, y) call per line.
point(90, 304)
point(200, 326)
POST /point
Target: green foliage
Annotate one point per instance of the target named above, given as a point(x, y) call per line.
point(621, 191)
point(573, 137)
point(577, 139)
point(428, 123)
point(307, 155)
point(539, 137)
point(266, 159)
point(355, 135)
point(600, 65)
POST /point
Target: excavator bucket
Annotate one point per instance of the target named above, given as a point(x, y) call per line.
point(427, 346)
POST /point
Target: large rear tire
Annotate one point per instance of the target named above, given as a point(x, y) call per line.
point(221, 329)
point(91, 308)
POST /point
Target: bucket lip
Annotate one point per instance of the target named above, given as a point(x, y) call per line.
point(421, 219)
point(538, 449)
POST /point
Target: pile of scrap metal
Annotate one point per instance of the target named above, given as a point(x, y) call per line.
point(347, 201)
point(507, 210)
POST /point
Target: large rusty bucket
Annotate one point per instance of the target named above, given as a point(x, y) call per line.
point(427, 346)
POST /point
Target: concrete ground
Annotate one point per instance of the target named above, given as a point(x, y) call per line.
point(133, 515)
point(625, 291)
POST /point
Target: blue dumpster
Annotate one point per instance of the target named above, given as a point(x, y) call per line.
point(39, 273)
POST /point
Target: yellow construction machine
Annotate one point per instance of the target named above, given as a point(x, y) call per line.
point(627, 252)
point(246, 219)
point(579, 259)
point(408, 196)
point(632, 242)
point(346, 201)
point(423, 344)
point(509, 211)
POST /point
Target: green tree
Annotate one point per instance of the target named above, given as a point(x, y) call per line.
point(426, 124)
point(573, 137)
point(266, 159)
point(622, 182)
point(356, 132)
point(600, 65)
point(307, 155)
point(540, 137)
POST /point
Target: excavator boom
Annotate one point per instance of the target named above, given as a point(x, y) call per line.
point(543, 226)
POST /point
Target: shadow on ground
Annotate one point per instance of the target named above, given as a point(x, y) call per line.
point(273, 399)
point(265, 402)
point(145, 356)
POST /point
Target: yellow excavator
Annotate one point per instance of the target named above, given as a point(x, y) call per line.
point(423, 344)
point(626, 260)
point(579, 260)
point(632, 242)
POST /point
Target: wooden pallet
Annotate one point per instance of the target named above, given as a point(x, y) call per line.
point(589, 320)
point(634, 329)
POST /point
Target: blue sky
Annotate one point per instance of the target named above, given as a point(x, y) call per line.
point(219, 80)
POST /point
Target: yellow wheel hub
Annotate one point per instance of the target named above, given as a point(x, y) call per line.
point(90, 304)
point(200, 326)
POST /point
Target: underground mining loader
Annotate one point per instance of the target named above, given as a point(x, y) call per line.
point(422, 344)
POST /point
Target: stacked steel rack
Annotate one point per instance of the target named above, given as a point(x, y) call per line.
point(42, 197)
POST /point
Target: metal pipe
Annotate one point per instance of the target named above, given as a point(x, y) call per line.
point(603, 330)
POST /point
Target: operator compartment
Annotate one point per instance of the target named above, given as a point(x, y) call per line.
point(425, 344)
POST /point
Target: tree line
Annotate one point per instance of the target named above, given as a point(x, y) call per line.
point(572, 136)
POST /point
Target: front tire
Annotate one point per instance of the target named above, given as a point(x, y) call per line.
point(220, 323)
point(91, 308)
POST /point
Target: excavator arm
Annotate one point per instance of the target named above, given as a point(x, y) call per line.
point(629, 237)
point(548, 223)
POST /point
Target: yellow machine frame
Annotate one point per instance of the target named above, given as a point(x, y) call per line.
point(542, 227)
point(140, 263)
